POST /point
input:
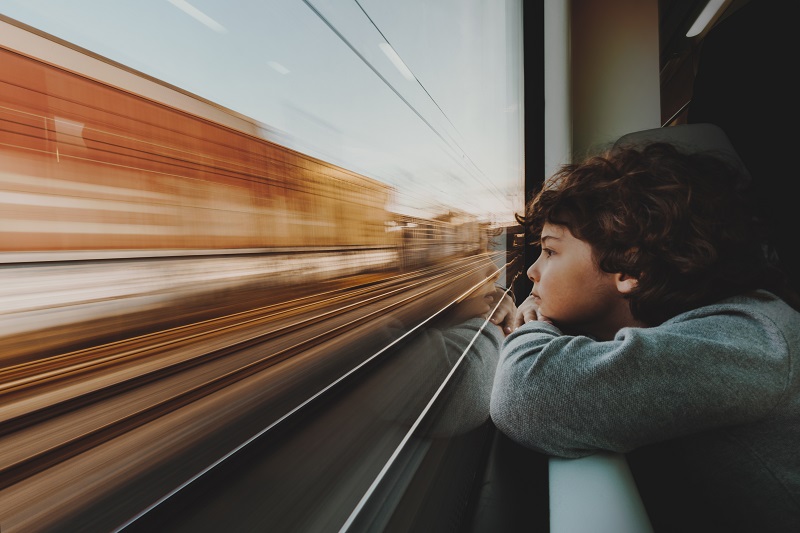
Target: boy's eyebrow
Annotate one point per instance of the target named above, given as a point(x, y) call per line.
point(546, 237)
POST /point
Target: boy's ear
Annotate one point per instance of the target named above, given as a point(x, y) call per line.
point(625, 283)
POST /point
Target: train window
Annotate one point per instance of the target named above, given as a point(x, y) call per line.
point(182, 171)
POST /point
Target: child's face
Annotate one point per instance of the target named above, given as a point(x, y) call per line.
point(569, 287)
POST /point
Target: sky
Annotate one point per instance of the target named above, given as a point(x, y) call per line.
point(425, 95)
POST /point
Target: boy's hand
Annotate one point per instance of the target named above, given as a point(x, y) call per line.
point(528, 311)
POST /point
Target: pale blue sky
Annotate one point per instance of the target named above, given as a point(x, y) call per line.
point(448, 132)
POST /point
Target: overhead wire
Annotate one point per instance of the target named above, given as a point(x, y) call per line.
point(490, 186)
point(416, 78)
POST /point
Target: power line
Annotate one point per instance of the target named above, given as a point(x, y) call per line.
point(490, 186)
point(416, 78)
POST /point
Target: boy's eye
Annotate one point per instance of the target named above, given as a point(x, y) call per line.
point(547, 251)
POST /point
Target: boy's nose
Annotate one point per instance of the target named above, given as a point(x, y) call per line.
point(532, 273)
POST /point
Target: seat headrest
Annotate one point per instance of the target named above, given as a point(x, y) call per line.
point(689, 137)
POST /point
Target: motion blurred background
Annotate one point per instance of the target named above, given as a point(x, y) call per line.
point(424, 96)
point(242, 237)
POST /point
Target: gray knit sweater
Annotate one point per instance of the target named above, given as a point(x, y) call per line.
point(722, 380)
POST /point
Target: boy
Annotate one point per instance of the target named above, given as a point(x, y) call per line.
point(656, 328)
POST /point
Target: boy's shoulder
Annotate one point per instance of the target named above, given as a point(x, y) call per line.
point(757, 305)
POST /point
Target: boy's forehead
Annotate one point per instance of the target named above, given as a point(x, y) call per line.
point(554, 231)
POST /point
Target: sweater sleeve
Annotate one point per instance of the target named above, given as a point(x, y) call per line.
point(571, 396)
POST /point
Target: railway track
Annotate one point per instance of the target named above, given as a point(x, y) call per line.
point(59, 408)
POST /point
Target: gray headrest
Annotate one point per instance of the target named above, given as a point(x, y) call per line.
point(689, 137)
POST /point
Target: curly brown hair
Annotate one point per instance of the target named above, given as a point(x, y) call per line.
point(678, 222)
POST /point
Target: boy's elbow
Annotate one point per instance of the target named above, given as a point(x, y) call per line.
point(504, 415)
point(508, 422)
point(528, 426)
